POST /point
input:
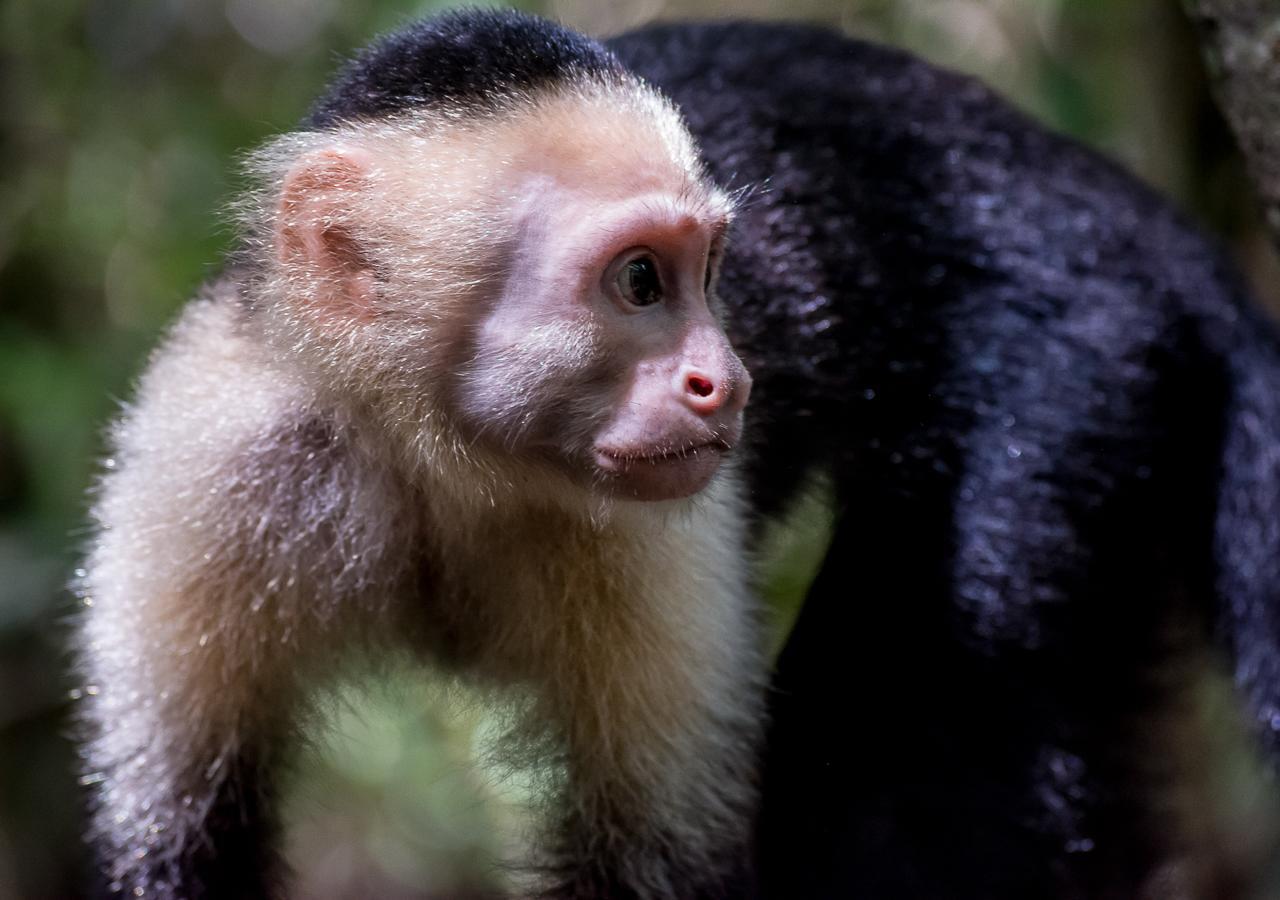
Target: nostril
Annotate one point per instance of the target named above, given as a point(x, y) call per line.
point(700, 386)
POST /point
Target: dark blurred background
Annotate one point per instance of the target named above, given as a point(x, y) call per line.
point(120, 126)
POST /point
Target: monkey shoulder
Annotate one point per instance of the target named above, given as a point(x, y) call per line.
point(227, 460)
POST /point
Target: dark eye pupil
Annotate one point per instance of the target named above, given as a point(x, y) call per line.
point(642, 281)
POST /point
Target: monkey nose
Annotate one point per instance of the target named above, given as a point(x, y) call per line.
point(705, 392)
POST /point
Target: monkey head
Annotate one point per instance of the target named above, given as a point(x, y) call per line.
point(530, 290)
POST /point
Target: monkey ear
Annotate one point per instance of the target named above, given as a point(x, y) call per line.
point(315, 228)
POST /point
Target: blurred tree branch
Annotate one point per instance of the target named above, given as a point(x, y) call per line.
point(1241, 44)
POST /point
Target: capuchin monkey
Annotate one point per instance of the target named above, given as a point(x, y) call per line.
point(466, 390)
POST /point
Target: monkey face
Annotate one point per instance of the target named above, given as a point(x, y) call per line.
point(603, 351)
point(536, 287)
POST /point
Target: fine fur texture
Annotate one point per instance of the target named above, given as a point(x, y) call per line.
point(1047, 411)
point(348, 446)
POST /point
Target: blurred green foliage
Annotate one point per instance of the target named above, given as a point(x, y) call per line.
point(120, 124)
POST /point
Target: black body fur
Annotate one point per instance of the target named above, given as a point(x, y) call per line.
point(1052, 422)
point(1048, 414)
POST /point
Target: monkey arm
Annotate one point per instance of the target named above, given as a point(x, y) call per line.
point(223, 580)
point(636, 639)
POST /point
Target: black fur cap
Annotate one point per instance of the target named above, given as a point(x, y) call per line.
point(467, 58)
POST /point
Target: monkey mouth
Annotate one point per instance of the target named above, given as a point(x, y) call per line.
point(610, 459)
point(661, 474)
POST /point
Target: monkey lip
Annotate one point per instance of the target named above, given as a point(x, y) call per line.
point(612, 459)
point(662, 475)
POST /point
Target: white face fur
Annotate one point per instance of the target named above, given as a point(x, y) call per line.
point(534, 286)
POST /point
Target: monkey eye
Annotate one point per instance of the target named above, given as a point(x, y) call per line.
point(638, 282)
